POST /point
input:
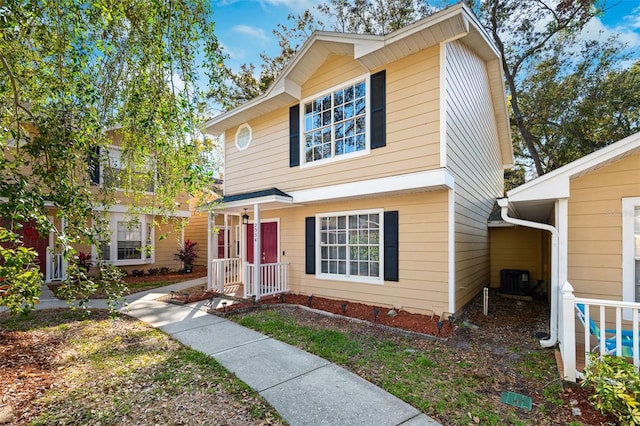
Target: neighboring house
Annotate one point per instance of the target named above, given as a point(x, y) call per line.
point(589, 213)
point(134, 241)
point(371, 165)
point(197, 230)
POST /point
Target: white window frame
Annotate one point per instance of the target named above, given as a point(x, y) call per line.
point(355, 278)
point(367, 81)
point(146, 223)
point(240, 128)
point(628, 251)
point(111, 150)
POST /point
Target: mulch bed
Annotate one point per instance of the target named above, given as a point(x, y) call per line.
point(425, 324)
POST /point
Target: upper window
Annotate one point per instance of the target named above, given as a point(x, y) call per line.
point(335, 123)
point(350, 245)
point(116, 174)
point(243, 137)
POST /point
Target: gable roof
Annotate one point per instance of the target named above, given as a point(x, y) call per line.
point(535, 200)
point(555, 184)
point(375, 51)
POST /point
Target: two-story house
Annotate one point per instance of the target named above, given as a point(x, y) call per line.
point(136, 237)
point(371, 165)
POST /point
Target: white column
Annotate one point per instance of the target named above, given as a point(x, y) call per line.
point(226, 236)
point(561, 260)
point(210, 221)
point(257, 250)
point(568, 343)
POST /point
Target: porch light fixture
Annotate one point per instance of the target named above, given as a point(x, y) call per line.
point(245, 218)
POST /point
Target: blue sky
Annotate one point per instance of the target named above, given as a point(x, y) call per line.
point(244, 27)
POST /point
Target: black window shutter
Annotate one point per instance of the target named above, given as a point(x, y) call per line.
point(94, 165)
point(294, 136)
point(391, 246)
point(378, 110)
point(310, 245)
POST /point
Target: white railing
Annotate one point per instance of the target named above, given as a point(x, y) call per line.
point(55, 267)
point(224, 272)
point(620, 341)
point(273, 280)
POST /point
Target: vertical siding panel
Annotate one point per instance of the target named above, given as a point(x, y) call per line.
point(473, 157)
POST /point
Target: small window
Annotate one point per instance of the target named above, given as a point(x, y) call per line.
point(129, 240)
point(243, 137)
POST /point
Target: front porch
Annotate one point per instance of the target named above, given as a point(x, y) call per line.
point(595, 325)
point(245, 250)
point(246, 279)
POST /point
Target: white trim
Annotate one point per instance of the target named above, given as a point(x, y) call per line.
point(427, 180)
point(452, 250)
point(628, 251)
point(240, 127)
point(356, 278)
point(443, 105)
point(144, 221)
point(367, 81)
point(260, 200)
point(555, 184)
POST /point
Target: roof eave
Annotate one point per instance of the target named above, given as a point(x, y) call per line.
point(556, 184)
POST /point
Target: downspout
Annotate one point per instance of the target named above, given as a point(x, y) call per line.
point(553, 320)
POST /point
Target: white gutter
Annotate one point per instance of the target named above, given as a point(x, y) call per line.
point(553, 320)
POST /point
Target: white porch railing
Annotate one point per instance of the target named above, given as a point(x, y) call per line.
point(617, 311)
point(273, 280)
point(55, 267)
point(224, 272)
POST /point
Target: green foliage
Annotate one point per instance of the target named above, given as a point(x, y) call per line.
point(567, 97)
point(616, 384)
point(20, 279)
point(77, 76)
point(187, 253)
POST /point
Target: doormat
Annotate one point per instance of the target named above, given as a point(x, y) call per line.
point(517, 400)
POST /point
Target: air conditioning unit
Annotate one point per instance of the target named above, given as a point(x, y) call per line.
point(515, 282)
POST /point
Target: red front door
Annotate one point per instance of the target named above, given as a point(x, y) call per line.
point(221, 243)
point(31, 238)
point(268, 242)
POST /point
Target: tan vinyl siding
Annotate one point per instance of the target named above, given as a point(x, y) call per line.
point(166, 248)
point(595, 228)
point(473, 157)
point(196, 230)
point(335, 71)
point(413, 132)
point(422, 286)
point(519, 248)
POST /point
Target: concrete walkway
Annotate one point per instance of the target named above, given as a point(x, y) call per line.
point(303, 388)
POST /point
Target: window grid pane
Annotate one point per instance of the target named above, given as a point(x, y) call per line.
point(350, 245)
point(335, 124)
point(129, 241)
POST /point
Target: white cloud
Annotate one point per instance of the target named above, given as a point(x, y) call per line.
point(296, 6)
point(596, 29)
point(250, 31)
